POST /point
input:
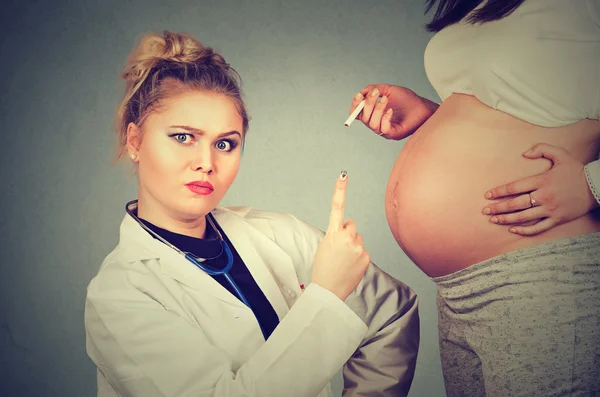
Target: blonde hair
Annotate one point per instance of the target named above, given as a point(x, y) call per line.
point(162, 66)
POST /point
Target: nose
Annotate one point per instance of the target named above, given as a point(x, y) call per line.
point(203, 161)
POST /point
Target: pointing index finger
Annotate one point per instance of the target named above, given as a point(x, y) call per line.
point(336, 219)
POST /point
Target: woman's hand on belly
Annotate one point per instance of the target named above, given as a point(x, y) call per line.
point(548, 199)
point(391, 111)
point(436, 188)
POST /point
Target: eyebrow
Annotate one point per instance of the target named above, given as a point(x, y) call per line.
point(201, 132)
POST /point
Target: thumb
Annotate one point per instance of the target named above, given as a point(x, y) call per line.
point(552, 153)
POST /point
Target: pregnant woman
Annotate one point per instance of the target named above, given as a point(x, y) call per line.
point(512, 240)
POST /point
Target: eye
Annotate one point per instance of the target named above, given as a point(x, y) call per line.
point(181, 137)
point(226, 145)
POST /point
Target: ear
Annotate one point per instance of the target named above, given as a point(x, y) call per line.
point(134, 138)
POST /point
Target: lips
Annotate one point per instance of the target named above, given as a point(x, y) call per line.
point(200, 187)
point(201, 184)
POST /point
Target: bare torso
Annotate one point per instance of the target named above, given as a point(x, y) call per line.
point(435, 193)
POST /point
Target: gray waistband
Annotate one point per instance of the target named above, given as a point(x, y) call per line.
point(587, 245)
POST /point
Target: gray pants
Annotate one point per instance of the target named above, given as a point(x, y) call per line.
point(525, 323)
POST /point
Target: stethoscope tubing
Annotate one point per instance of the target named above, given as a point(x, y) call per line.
point(223, 272)
point(195, 260)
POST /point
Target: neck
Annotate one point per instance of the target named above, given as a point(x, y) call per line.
point(171, 221)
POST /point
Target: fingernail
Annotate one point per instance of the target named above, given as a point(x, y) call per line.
point(375, 92)
point(389, 111)
point(528, 152)
point(488, 195)
point(494, 219)
point(383, 99)
point(343, 175)
point(512, 230)
point(487, 211)
point(358, 96)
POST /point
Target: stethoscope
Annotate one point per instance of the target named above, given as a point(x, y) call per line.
point(132, 205)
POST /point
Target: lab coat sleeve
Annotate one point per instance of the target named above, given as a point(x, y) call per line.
point(144, 350)
point(384, 363)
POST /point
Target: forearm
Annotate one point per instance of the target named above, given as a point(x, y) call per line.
point(144, 350)
point(307, 348)
point(384, 364)
point(385, 361)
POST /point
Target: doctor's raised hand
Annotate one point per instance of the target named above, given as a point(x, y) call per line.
point(341, 260)
point(198, 299)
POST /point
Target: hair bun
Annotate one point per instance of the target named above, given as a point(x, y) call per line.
point(183, 48)
point(168, 47)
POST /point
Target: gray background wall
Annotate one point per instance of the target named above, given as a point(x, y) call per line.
point(62, 202)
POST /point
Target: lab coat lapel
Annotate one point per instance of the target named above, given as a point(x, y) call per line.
point(270, 266)
point(266, 261)
point(142, 246)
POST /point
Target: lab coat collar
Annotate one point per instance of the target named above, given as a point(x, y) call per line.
point(271, 267)
point(139, 245)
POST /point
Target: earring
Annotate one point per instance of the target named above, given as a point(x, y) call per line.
point(133, 156)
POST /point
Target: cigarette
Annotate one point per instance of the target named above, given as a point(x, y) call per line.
point(358, 109)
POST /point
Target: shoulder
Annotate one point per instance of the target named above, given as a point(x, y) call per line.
point(117, 277)
point(251, 214)
point(286, 230)
point(270, 222)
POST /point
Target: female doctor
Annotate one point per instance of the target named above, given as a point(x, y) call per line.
point(201, 300)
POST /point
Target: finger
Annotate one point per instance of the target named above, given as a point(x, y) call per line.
point(532, 230)
point(386, 122)
point(350, 227)
point(511, 205)
point(355, 101)
point(520, 186)
point(553, 153)
point(370, 101)
point(520, 217)
point(365, 258)
point(375, 122)
point(368, 88)
point(358, 249)
point(336, 218)
point(359, 240)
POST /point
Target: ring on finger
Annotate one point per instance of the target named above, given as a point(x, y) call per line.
point(532, 201)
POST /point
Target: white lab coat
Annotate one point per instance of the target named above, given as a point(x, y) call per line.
point(156, 325)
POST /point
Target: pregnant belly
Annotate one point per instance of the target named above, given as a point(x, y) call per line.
point(436, 189)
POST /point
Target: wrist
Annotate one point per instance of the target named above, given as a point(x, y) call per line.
point(336, 291)
point(430, 105)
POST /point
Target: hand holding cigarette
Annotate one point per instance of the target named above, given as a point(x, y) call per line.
point(390, 111)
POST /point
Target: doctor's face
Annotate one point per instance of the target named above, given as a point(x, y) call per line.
point(188, 155)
